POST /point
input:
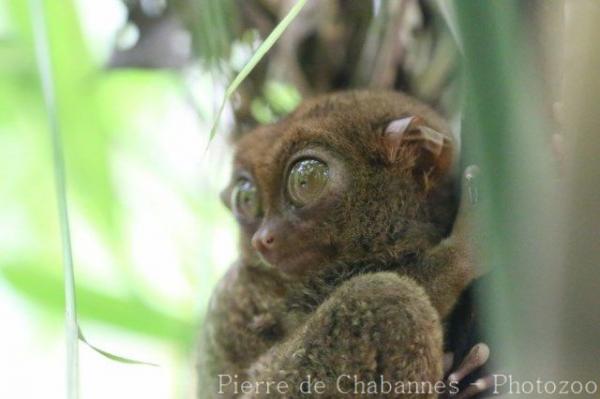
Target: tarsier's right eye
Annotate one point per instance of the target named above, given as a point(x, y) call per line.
point(244, 200)
point(306, 181)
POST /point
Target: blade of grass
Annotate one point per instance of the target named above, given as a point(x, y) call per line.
point(255, 59)
point(45, 71)
point(112, 356)
point(73, 332)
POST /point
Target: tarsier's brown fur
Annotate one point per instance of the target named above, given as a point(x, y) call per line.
point(376, 268)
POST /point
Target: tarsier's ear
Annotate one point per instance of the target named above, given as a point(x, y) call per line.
point(433, 149)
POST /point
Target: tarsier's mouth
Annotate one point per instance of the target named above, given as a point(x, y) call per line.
point(295, 262)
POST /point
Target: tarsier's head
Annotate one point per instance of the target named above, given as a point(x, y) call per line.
point(347, 176)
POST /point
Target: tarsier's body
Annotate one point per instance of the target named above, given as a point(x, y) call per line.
point(349, 258)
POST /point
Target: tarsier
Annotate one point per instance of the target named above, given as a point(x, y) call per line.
point(352, 254)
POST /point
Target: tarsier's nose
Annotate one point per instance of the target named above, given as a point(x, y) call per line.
point(263, 240)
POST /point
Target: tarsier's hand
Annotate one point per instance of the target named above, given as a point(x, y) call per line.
point(475, 359)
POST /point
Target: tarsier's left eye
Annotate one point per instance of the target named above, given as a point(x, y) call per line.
point(244, 200)
point(307, 179)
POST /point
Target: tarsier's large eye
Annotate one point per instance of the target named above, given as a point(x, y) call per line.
point(307, 179)
point(244, 200)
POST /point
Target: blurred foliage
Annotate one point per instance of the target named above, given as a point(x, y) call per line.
point(45, 289)
point(104, 115)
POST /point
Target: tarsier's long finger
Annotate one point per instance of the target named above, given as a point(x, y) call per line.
point(477, 357)
point(475, 388)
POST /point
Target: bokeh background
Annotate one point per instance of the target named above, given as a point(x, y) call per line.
point(138, 85)
point(150, 236)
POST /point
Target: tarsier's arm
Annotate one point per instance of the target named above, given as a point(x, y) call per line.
point(374, 327)
point(462, 247)
point(453, 264)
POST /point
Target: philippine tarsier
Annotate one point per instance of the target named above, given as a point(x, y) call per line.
point(352, 254)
